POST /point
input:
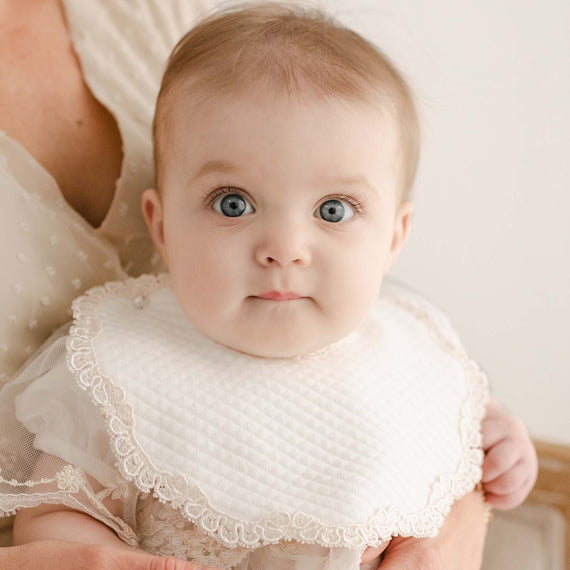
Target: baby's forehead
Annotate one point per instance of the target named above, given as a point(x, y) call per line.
point(193, 108)
point(189, 98)
point(195, 112)
point(230, 136)
point(299, 52)
point(251, 139)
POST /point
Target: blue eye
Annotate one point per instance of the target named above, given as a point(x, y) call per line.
point(335, 211)
point(232, 205)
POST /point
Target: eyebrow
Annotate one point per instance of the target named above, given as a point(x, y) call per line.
point(224, 167)
point(215, 167)
point(360, 181)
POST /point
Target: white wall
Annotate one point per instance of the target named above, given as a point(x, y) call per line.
point(491, 238)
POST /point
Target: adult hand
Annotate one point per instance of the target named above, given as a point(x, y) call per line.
point(458, 545)
point(58, 555)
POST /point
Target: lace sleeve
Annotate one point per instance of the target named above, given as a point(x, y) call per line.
point(53, 443)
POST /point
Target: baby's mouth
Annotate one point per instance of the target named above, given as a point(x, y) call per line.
point(280, 296)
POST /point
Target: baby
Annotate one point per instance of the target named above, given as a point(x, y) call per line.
point(177, 409)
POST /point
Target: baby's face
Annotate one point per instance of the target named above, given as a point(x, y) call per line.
point(278, 219)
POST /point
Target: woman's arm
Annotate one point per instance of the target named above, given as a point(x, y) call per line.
point(53, 536)
point(59, 555)
point(458, 545)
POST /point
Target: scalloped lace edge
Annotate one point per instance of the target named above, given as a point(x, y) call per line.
point(72, 482)
point(175, 490)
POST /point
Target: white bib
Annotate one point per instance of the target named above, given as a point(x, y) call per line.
point(374, 436)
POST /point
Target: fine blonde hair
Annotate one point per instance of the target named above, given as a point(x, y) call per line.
point(290, 49)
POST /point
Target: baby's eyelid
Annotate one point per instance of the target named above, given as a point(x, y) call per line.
point(225, 190)
point(353, 205)
point(220, 193)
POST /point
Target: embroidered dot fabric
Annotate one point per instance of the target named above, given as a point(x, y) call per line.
point(49, 253)
point(238, 462)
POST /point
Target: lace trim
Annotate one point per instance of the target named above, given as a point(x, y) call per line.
point(72, 483)
point(174, 489)
point(165, 532)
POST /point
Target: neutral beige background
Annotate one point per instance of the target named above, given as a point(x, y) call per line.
point(491, 238)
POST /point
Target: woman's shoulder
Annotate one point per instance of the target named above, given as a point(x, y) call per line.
point(131, 37)
point(123, 46)
point(166, 17)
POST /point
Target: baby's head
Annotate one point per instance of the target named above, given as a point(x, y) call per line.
point(286, 148)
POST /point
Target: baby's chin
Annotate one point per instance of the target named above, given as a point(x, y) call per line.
point(279, 346)
point(281, 333)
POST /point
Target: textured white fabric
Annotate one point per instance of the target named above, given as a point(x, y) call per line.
point(49, 253)
point(327, 431)
point(257, 437)
point(257, 450)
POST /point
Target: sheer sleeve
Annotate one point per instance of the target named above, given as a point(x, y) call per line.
point(54, 447)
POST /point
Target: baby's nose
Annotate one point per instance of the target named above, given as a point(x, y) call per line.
point(283, 245)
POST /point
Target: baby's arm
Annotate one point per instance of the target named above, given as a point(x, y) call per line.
point(510, 467)
point(50, 531)
point(58, 522)
point(57, 527)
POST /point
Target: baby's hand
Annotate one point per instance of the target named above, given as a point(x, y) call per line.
point(510, 466)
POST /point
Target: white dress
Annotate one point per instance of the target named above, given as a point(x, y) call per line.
point(49, 253)
point(239, 462)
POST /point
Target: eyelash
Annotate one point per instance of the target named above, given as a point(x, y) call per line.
point(356, 204)
point(211, 197)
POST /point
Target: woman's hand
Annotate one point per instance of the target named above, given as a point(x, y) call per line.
point(511, 466)
point(458, 545)
point(57, 555)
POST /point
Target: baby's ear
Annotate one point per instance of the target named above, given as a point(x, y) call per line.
point(154, 218)
point(402, 225)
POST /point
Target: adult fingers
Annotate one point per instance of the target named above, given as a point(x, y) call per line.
point(139, 560)
point(170, 563)
point(59, 555)
point(410, 554)
point(371, 553)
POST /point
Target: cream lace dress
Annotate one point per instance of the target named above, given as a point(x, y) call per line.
point(49, 253)
point(240, 462)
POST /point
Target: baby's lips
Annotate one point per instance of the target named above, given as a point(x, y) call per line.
point(280, 295)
